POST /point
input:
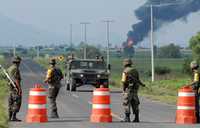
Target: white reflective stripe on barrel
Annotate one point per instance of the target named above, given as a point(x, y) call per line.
point(100, 106)
point(185, 108)
point(101, 93)
point(186, 94)
point(37, 106)
point(37, 93)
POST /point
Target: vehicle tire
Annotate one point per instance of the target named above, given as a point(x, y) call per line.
point(73, 85)
point(107, 85)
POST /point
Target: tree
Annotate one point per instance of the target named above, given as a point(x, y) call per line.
point(194, 44)
point(170, 51)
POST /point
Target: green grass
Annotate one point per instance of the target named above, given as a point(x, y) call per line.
point(3, 92)
point(3, 109)
point(164, 90)
point(44, 62)
point(143, 65)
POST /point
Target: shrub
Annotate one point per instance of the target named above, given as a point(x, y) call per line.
point(170, 51)
point(186, 66)
point(162, 70)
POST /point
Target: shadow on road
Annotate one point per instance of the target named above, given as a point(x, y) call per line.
point(84, 90)
point(66, 120)
point(146, 122)
point(79, 117)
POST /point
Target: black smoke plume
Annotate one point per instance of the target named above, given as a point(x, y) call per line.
point(164, 14)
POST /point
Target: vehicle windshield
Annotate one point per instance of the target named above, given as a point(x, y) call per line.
point(88, 65)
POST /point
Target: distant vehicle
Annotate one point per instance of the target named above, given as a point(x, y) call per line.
point(89, 71)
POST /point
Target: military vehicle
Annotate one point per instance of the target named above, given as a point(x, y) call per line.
point(86, 71)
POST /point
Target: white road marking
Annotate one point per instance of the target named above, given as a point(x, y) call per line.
point(116, 116)
point(74, 95)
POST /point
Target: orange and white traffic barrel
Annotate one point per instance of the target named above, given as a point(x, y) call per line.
point(101, 111)
point(185, 113)
point(37, 107)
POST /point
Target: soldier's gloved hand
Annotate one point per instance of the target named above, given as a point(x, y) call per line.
point(143, 85)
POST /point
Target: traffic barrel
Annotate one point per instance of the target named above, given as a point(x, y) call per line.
point(101, 111)
point(37, 107)
point(185, 113)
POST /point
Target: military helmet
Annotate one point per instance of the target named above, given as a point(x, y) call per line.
point(127, 62)
point(194, 64)
point(52, 61)
point(16, 59)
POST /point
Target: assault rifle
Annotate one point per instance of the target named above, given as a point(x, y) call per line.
point(9, 78)
point(131, 78)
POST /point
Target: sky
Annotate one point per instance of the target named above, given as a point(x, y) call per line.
point(56, 16)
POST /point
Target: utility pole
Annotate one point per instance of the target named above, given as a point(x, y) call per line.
point(152, 34)
point(70, 35)
point(85, 38)
point(14, 51)
point(152, 46)
point(38, 52)
point(108, 39)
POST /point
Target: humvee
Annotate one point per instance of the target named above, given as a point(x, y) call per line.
point(86, 71)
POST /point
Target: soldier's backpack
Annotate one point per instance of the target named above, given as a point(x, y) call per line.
point(57, 75)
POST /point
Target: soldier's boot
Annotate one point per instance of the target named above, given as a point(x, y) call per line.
point(14, 118)
point(127, 117)
point(10, 115)
point(136, 120)
point(54, 114)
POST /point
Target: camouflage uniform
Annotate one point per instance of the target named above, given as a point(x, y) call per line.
point(15, 98)
point(131, 83)
point(53, 78)
point(196, 85)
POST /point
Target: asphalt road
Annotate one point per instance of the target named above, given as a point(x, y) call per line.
point(75, 108)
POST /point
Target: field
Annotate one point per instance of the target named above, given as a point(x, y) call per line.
point(165, 86)
point(3, 93)
point(142, 62)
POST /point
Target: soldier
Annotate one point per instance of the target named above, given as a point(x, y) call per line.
point(102, 58)
point(15, 95)
point(195, 85)
point(131, 83)
point(97, 57)
point(53, 78)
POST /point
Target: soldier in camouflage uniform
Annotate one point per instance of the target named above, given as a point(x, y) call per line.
point(195, 85)
point(15, 95)
point(53, 78)
point(131, 83)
